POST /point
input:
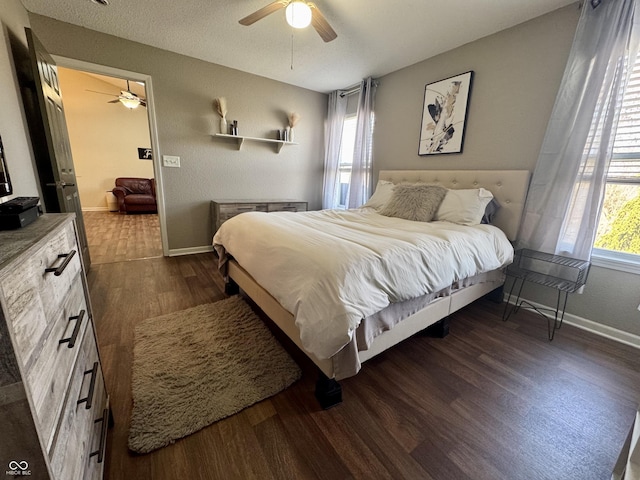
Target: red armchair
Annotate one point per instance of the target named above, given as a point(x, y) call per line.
point(136, 195)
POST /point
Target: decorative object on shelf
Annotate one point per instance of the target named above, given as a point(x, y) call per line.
point(444, 115)
point(234, 128)
point(220, 105)
point(294, 118)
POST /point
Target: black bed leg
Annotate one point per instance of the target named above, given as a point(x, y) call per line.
point(231, 287)
point(439, 329)
point(496, 295)
point(328, 391)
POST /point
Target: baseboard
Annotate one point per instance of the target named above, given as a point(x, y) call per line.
point(95, 209)
point(594, 327)
point(176, 252)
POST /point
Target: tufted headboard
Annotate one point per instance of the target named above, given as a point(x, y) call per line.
point(509, 187)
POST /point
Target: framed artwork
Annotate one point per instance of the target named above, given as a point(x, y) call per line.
point(444, 115)
point(145, 154)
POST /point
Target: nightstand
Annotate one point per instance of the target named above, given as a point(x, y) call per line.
point(566, 275)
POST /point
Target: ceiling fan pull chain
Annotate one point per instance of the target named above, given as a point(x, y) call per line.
point(291, 50)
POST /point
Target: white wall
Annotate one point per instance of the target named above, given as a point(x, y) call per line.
point(104, 136)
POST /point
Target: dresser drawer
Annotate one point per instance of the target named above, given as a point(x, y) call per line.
point(71, 448)
point(49, 374)
point(288, 207)
point(231, 210)
point(42, 289)
point(95, 459)
point(33, 297)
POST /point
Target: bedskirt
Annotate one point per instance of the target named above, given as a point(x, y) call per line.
point(347, 363)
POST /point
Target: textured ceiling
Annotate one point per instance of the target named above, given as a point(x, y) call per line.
point(375, 37)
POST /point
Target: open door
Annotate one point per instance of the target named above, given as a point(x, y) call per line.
point(52, 150)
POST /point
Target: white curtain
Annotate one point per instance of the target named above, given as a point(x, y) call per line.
point(361, 182)
point(333, 141)
point(565, 197)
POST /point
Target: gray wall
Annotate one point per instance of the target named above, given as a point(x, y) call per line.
point(184, 89)
point(517, 75)
point(13, 126)
point(518, 72)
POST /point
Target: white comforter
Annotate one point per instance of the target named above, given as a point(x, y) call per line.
point(332, 268)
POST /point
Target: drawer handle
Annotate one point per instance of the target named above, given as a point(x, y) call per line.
point(57, 271)
point(103, 436)
point(245, 209)
point(74, 335)
point(92, 386)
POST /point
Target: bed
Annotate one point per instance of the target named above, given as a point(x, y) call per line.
point(264, 266)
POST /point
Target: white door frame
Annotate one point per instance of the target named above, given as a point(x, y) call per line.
point(153, 128)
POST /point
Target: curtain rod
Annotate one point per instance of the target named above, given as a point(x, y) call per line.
point(354, 89)
point(351, 91)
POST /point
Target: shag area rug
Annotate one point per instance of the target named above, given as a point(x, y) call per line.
point(196, 366)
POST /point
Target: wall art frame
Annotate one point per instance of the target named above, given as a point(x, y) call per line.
point(145, 154)
point(444, 115)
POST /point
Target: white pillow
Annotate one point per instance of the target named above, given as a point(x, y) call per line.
point(381, 195)
point(465, 207)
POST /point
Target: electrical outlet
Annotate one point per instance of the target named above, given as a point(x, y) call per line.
point(171, 161)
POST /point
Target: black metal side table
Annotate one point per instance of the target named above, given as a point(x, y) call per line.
point(565, 274)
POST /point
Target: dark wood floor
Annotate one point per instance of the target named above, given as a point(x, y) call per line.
point(492, 400)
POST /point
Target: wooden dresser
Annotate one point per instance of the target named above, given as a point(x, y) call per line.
point(54, 407)
point(223, 210)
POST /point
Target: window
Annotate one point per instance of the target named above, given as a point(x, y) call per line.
point(618, 234)
point(346, 159)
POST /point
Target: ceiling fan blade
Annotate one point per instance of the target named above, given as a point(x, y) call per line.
point(264, 11)
point(102, 93)
point(321, 25)
point(114, 101)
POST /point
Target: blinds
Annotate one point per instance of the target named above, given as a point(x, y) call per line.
point(625, 163)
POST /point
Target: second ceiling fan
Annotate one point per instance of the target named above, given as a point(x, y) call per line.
point(299, 14)
point(126, 97)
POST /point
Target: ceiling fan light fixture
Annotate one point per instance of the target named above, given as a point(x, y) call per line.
point(130, 103)
point(298, 14)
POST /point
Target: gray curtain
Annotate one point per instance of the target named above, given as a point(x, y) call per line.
point(333, 140)
point(361, 170)
point(565, 197)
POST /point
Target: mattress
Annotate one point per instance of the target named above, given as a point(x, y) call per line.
point(331, 269)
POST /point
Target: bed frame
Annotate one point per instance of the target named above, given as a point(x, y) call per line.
point(509, 187)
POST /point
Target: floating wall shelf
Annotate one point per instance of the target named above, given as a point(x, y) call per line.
point(240, 140)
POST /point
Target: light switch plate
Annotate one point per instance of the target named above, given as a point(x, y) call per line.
point(171, 161)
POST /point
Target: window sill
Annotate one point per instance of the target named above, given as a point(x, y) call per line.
point(616, 261)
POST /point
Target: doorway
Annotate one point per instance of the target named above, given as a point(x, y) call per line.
point(108, 141)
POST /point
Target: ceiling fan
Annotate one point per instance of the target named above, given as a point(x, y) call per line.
point(299, 14)
point(126, 97)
